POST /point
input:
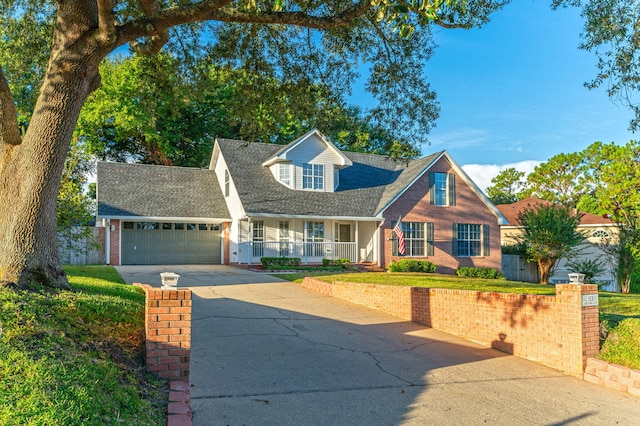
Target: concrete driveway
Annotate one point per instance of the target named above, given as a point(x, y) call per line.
point(266, 352)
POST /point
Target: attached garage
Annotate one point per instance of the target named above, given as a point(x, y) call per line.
point(168, 243)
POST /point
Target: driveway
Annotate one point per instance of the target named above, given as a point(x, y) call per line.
point(266, 352)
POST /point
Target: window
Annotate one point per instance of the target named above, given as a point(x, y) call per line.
point(442, 189)
point(600, 233)
point(314, 237)
point(418, 239)
point(313, 176)
point(258, 238)
point(470, 240)
point(202, 227)
point(127, 225)
point(166, 226)
point(227, 182)
point(283, 238)
point(178, 226)
point(284, 174)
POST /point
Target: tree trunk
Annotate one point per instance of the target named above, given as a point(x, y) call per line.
point(545, 270)
point(30, 172)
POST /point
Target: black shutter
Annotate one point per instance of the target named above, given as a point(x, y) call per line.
point(485, 240)
point(452, 189)
point(454, 240)
point(429, 238)
point(432, 188)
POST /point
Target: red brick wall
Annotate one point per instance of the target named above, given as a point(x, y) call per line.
point(613, 376)
point(114, 247)
point(553, 330)
point(168, 331)
point(414, 206)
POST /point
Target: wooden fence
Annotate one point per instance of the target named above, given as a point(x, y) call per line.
point(516, 268)
point(84, 251)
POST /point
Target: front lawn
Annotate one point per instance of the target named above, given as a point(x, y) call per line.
point(76, 357)
point(429, 281)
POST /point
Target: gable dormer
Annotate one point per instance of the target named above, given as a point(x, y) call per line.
point(310, 163)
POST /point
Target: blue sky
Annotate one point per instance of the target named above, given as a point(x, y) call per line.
point(512, 93)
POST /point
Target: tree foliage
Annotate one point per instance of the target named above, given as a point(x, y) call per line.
point(550, 232)
point(507, 186)
point(317, 42)
point(147, 110)
point(562, 180)
point(611, 31)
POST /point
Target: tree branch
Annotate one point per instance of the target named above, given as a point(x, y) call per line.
point(9, 130)
point(213, 10)
point(106, 20)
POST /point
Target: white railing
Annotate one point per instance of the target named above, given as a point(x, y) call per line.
point(307, 252)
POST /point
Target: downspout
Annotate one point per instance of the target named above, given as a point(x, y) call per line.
point(107, 239)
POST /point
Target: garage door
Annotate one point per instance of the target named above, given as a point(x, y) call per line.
point(162, 243)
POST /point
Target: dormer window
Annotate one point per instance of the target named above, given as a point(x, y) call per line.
point(284, 174)
point(313, 176)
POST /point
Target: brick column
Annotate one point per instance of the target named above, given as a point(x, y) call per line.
point(168, 331)
point(578, 326)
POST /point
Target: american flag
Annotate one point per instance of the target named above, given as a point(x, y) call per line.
point(400, 234)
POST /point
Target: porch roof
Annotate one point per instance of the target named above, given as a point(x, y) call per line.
point(366, 186)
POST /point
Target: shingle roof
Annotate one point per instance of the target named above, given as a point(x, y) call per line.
point(512, 211)
point(365, 187)
point(158, 191)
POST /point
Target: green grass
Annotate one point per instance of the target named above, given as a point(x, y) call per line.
point(429, 281)
point(615, 307)
point(76, 357)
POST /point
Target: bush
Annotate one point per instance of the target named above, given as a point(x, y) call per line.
point(622, 346)
point(279, 262)
point(343, 262)
point(490, 273)
point(589, 267)
point(519, 249)
point(412, 265)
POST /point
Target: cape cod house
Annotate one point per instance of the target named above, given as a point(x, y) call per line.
point(307, 199)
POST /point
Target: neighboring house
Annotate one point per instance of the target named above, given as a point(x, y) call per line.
point(597, 230)
point(306, 199)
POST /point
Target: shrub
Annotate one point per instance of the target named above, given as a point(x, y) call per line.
point(412, 265)
point(519, 249)
point(490, 273)
point(279, 262)
point(589, 267)
point(622, 346)
point(343, 262)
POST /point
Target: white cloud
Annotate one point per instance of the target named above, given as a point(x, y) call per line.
point(482, 174)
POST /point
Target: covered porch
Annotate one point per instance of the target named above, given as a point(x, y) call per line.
point(309, 239)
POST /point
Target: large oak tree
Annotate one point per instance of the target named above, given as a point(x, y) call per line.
point(324, 41)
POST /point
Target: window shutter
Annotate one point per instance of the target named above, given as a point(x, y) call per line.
point(454, 240)
point(429, 238)
point(452, 189)
point(432, 188)
point(485, 240)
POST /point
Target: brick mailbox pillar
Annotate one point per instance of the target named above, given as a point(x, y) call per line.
point(168, 331)
point(579, 324)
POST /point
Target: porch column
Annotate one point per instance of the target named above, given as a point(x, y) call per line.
point(250, 239)
point(304, 240)
point(357, 245)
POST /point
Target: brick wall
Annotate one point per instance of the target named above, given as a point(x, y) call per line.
point(114, 247)
point(414, 206)
point(168, 331)
point(613, 376)
point(553, 330)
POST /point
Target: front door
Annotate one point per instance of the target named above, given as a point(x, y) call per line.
point(344, 233)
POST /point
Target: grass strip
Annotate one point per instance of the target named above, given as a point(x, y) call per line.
point(76, 357)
